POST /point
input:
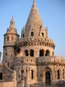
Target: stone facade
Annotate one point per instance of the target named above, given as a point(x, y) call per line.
point(30, 60)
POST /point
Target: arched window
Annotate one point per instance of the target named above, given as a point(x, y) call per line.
point(47, 53)
point(7, 38)
point(8, 64)
point(32, 52)
point(58, 74)
point(32, 74)
point(41, 52)
point(42, 34)
point(6, 54)
point(26, 52)
point(1, 75)
point(40, 27)
point(32, 33)
point(22, 71)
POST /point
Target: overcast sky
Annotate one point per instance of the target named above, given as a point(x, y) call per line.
point(52, 13)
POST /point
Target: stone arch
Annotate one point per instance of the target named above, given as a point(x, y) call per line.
point(48, 76)
point(31, 52)
point(1, 75)
point(47, 53)
point(42, 34)
point(32, 74)
point(26, 52)
point(32, 33)
point(41, 52)
point(58, 73)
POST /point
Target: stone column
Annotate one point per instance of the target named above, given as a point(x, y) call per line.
point(44, 53)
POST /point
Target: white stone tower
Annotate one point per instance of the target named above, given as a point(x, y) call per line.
point(35, 36)
point(10, 39)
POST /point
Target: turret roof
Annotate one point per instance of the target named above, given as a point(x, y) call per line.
point(34, 17)
point(12, 29)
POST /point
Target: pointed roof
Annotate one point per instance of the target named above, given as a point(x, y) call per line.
point(34, 17)
point(12, 23)
point(12, 29)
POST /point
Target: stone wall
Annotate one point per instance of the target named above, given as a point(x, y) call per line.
point(8, 84)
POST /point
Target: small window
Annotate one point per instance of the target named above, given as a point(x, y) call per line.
point(32, 74)
point(27, 60)
point(58, 74)
point(41, 27)
point(32, 52)
point(6, 54)
point(7, 38)
point(32, 33)
point(1, 75)
point(8, 64)
point(21, 61)
point(22, 71)
point(42, 34)
point(26, 52)
point(41, 52)
point(47, 53)
point(41, 75)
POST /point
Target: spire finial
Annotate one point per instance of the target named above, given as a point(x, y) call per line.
point(34, 2)
point(12, 18)
point(12, 22)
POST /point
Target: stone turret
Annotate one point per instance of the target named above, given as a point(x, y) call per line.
point(34, 24)
point(35, 35)
point(10, 39)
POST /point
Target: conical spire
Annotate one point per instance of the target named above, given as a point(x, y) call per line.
point(34, 17)
point(12, 23)
point(12, 28)
point(34, 22)
point(34, 2)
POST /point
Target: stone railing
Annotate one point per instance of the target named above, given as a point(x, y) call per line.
point(50, 60)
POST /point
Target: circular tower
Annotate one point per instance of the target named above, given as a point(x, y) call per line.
point(10, 39)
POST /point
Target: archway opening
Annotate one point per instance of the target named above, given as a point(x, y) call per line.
point(47, 53)
point(58, 74)
point(48, 78)
point(1, 75)
point(26, 52)
point(32, 74)
point(31, 52)
point(32, 33)
point(41, 53)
